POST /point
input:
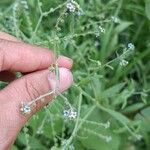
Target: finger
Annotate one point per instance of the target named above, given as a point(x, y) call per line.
point(23, 57)
point(27, 58)
point(26, 89)
point(8, 37)
point(62, 60)
point(8, 76)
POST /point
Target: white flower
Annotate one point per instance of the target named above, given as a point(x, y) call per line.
point(71, 7)
point(102, 29)
point(123, 63)
point(131, 46)
point(70, 113)
point(66, 113)
point(39, 131)
point(25, 108)
point(115, 19)
point(107, 125)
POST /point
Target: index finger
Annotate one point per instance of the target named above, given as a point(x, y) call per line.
point(17, 56)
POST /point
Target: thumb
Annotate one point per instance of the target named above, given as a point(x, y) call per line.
point(27, 89)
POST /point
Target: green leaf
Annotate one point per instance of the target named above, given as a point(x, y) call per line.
point(118, 116)
point(144, 116)
point(52, 127)
point(6, 1)
point(122, 26)
point(34, 143)
point(36, 121)
point(133, 108)
point(112, 91)
point(122, 98)
point(93, 142)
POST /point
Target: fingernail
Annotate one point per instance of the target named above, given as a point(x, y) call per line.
point(65, 60)
point(64, 82)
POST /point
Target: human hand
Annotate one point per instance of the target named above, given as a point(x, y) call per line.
point(34, 62)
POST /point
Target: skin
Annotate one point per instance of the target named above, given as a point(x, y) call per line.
point(33, 62)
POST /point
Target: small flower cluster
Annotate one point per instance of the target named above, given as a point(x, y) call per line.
point(102, 30)
point(107, 125)
point(73, 7)
point(70, 114)
point(24, 3)
point(39, 131)
point(99, 30)
point(115, 19)
point(25, 108)
point(131, 46)
point(124, 62)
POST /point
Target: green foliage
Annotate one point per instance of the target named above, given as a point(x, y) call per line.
point(111, 81)
point(147, 8)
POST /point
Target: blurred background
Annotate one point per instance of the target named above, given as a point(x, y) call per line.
point(109, 41)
